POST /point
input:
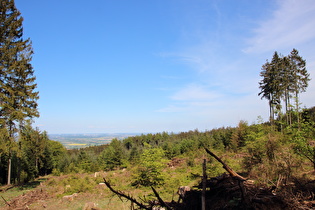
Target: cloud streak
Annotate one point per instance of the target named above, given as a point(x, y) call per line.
point(194, 92)
point(292, 23)
point(227, 85)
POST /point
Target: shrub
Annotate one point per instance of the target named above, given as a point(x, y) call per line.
point(149, 171)
point(77, 184)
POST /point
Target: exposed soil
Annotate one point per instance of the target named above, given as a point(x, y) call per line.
point(25, 200)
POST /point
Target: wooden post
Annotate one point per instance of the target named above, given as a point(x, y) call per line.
point(204, 185)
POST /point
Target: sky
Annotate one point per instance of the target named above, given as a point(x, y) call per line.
point(147, 66)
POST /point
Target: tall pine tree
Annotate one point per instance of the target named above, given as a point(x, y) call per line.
point(283, 79)
point(300, 77)
point(269, 85)
point(18, 95)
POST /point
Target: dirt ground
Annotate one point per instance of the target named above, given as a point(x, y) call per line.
point(25, 200)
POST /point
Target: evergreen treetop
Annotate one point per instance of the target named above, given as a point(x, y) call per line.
point(18, 95)
point(17, 80)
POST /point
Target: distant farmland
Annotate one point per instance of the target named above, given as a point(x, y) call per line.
point(75, 141)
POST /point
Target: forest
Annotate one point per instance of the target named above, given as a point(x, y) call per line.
point(283, 150)
point(273, 152)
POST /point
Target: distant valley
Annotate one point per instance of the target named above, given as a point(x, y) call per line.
point(75, 141)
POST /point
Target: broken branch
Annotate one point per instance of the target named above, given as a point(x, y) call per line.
point(160, 199)
point(226, 167)
point(125, 196)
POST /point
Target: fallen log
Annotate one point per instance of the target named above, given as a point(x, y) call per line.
point(226, 167)
point(7, 187)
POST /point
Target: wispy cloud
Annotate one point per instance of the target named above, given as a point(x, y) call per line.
point(226, 86)
point(200, 57)
point(187, 99)
point(291, 24)
point(194, 92)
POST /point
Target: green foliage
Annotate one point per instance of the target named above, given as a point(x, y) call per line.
point(303, 141)
point(187, 145)
point(221, 138)
point(32, 156)
point(238, 137)
point(57, 153)
point(214, 168)
point(33, 143)
point(17, 82)
point(4, 143)
point(171, 149)
point(77, 184)
point(258, 147)
point(149, 171)
point(18, 98)
point(112, 157)
point(284, 78)
point(260, 150)
point(56, 172)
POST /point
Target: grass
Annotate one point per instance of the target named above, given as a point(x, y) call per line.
point(88, 188)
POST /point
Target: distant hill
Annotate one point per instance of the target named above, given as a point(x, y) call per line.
point(73, 141)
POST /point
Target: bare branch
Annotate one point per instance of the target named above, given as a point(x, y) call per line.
point(160, 199)
point(125, 196)
point(5, 201)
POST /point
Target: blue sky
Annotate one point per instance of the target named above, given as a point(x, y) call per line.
point(168, 65)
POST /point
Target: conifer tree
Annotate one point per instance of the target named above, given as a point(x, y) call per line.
point(17, 81)
point(269, 85)
point(33, 143)
point(284, 78)
point(285, 82)
point(300, 77)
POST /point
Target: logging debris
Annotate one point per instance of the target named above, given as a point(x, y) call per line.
point(227, 191)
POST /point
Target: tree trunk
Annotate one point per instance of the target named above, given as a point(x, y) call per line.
point(289, 111)
point(204, 184)
point(271, 111)
point(9, 170)
point(297, 108)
